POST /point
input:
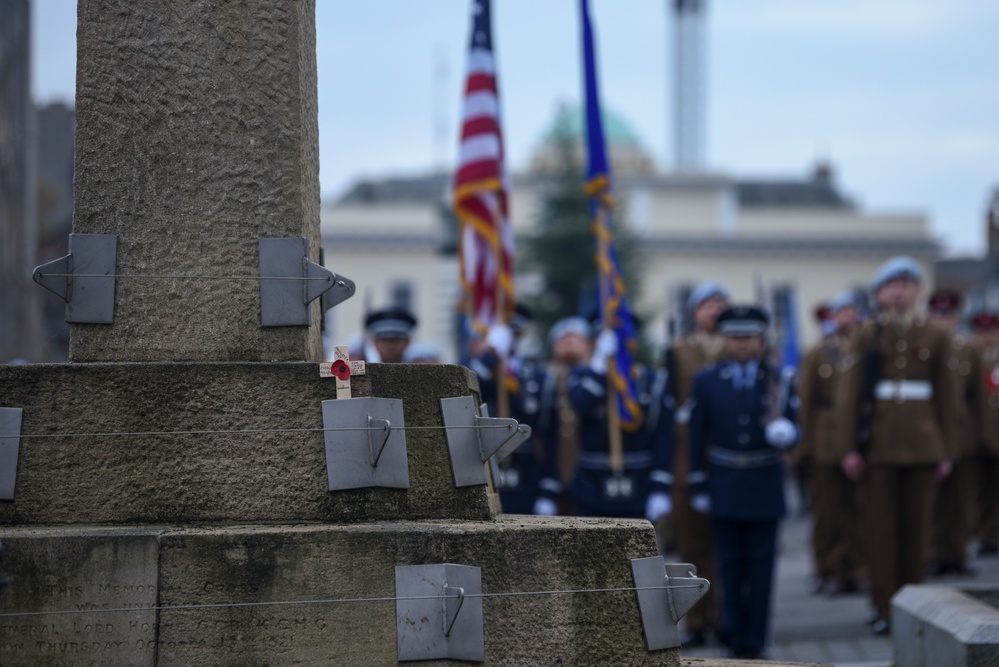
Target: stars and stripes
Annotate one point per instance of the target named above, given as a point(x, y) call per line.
point(614, 310)
point(480, 186)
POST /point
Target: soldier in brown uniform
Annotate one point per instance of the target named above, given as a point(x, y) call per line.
point(955, 497)
point(899, 376)
point(835, 501)
point(986, 328)
point(700, 349)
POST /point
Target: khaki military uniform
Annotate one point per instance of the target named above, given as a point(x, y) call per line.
point(836, 537)
point(987, 460)
point(912, 431)
point(955, 496)
point(693, 529)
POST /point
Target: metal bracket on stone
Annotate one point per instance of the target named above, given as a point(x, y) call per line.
point(494, 466)
point(438, 612)
point(666, 592)
point(472, 440)
point(289, 282)
point(84, 279)
point(10, 445)
point(365, 443)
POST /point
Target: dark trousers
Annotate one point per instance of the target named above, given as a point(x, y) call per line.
point(899, 514)
point(951, 515)
point(836, 531)
point(987, 514)
point(744, 554)
point(693, 541)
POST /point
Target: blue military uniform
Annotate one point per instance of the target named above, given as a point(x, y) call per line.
point(520, 472)
point(596, 489)
point(737, 469)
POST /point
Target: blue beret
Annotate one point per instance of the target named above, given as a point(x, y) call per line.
point(705, 291)
point(845, 299)
point(896, 268)
point(569, 325)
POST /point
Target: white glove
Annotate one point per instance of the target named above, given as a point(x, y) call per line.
point(605, 346)
point(701, 503)
point(658, 505)
point(500, 338)
point(544, 506)
point(781, 433)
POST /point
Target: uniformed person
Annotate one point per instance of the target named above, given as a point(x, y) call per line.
point(899, 440)
point(570, 342)
point(641, 488)
point(692, 529)
point(955, 496)
point(985, 326)
point(740, 425)
point(835, 501)
point(521, 471)
point(390, 330)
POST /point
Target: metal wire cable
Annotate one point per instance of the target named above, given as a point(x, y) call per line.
point(249, 430)
point(285, 603)
point(167, 277)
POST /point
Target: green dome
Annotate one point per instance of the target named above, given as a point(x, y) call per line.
point(570, 119)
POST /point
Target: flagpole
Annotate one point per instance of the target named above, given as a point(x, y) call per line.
point(502, 394)
point(613, 415)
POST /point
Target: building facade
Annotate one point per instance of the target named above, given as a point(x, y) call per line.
point(395, 238)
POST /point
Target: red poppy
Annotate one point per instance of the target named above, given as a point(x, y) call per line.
point(340, 369)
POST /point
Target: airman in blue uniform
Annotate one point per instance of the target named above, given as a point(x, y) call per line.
point(519, 473)
point(558, 424)
point(740, 423)
point(641, 488)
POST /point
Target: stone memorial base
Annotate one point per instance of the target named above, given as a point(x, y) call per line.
point(946, 625)
point(315, 594)
point(179, 514)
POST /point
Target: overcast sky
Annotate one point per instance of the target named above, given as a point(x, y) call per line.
point(901, 95)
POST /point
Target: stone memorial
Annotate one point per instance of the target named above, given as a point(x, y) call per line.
point(170, 502)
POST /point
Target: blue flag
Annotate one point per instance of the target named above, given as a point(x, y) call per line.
point(614, 311)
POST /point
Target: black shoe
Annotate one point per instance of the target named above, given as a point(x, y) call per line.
point(841, 587)
point(817, 584)
point(936, 569)
point(881, 627)
point(746, 654)
point(988, 549)
point(692, 639)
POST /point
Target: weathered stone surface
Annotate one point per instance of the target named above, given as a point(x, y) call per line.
point(237, 565)
point(944, 625)
point(101, 577)
point(720, 662)
point(196, 135)
point(276, 476)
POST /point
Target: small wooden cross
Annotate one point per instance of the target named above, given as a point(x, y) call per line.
point(341, 368)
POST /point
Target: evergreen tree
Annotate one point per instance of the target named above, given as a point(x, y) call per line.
point(562, 251)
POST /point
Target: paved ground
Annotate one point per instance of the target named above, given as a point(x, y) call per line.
point(814, 628)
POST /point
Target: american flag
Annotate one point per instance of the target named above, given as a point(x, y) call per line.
point(480, 186)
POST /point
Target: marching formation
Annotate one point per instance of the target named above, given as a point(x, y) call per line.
point(892, 419)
